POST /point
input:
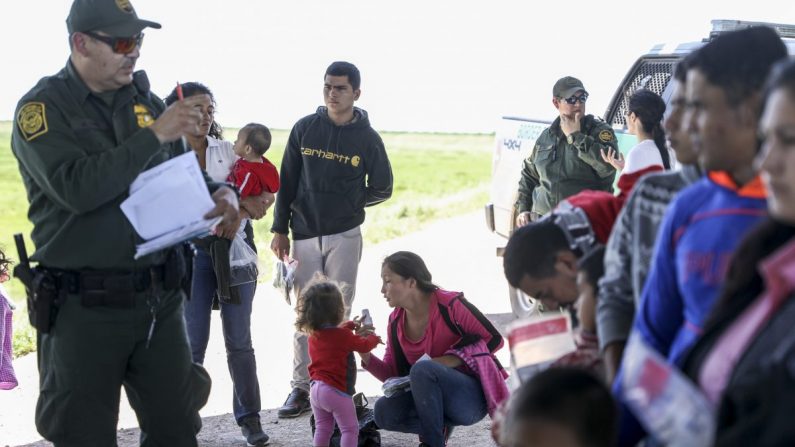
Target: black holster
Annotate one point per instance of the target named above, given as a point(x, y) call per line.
point(41, 289)
point(42, 298)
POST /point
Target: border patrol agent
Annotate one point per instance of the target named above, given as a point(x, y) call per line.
point(566, 158)
point(105, 320)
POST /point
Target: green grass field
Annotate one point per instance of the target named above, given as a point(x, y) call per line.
point(435, 176)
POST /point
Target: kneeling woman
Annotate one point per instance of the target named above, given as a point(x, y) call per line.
point(459, 384)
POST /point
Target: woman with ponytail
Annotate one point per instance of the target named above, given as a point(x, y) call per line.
point(644, 119)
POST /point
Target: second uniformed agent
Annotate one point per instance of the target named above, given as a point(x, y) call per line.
point(566, 158)
point(81, 137)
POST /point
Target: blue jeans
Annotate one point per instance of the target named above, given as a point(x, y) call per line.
point(440, 396)
point(236, 321)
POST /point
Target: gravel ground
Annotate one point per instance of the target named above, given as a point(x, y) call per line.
point(219, 431)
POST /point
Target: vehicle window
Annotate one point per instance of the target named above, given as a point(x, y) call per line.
point(652, 74)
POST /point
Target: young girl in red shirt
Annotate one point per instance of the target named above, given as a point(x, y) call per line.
point(331, 341)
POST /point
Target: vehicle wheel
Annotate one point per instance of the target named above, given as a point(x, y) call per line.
point(522, 305)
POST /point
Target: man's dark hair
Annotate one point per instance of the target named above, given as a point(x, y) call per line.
point(197, 88)
point(532, 251)
point(738, 62)
point(593, 265)
point(568, 397)
point(258, 137)
point(341, 68)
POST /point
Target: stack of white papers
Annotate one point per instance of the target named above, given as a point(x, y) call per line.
point(167, 204)
point(536, 342)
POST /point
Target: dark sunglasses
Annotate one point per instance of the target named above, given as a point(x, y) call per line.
point(573, 100)
point(119, 45)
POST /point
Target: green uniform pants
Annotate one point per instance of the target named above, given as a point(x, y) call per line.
point(91, 353)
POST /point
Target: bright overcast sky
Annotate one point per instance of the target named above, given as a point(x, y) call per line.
point(426, 65)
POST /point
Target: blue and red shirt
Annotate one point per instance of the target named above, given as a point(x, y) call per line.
point(697, 238)
point(699, 233)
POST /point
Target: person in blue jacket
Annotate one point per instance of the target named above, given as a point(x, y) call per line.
point(707, 220)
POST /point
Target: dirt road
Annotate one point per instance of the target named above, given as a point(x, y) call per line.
point(460, 255)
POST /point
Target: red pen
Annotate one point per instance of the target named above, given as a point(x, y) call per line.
point(180, 97)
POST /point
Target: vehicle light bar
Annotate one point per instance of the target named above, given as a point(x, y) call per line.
point(723, 26)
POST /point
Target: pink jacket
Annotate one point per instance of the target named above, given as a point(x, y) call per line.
point(488, 370)
point(451, 316)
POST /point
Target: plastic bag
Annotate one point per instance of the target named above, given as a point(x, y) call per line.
point(243, 261)
point(665, 401)
point(395, 385)
point(284, 276)
point(399, 384)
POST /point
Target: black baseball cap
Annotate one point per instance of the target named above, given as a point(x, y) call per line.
point(567, 87)
point(116, 18)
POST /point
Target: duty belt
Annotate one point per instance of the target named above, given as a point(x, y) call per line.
point(117, 289)
point(76, 281)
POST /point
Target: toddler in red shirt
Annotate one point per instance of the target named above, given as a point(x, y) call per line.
point(235, 262)
point(320, 314)
point(252, 173)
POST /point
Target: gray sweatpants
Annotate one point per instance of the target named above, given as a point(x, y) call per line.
point(337, 257)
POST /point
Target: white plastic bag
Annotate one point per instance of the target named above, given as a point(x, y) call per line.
point(398, 384)
point(395, 385)
point(243, 261)
point(284, 276)
point(665, 401)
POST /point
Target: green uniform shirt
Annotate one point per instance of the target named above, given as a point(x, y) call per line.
point(560, 167)
point(78, 154)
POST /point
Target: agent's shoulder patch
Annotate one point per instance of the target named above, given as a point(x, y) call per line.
point(125, 6)
point(143, 115)
point(606, 136)
point(32, 120)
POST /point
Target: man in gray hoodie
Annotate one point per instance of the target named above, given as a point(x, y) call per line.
point(631, 244)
